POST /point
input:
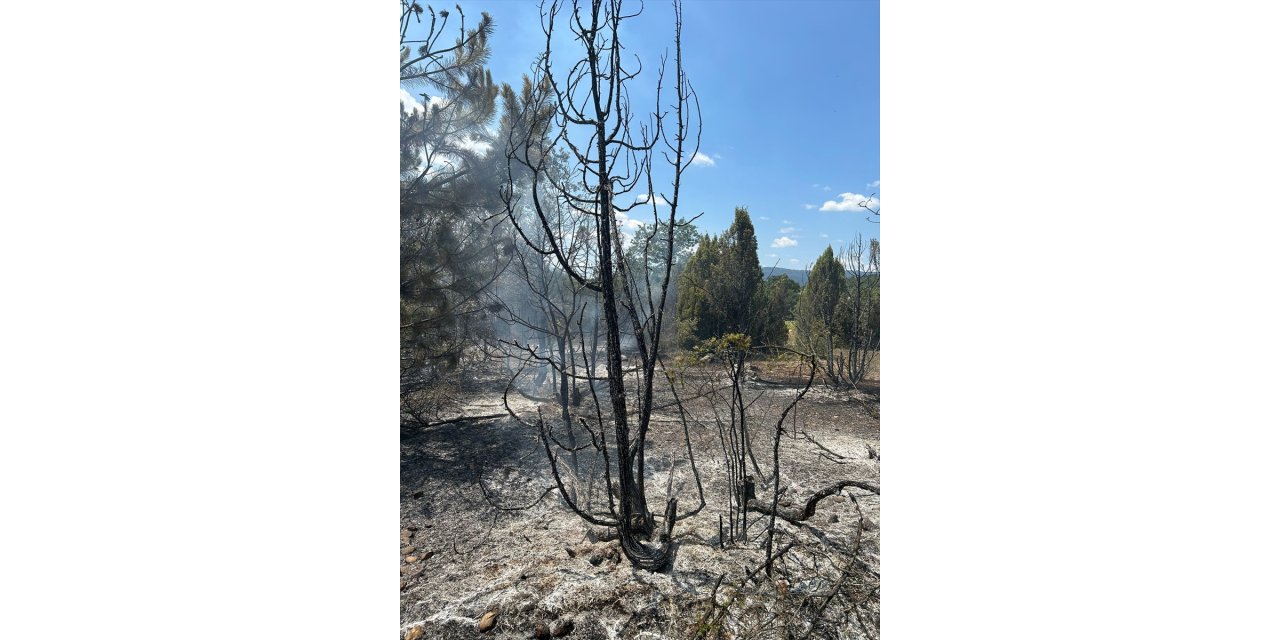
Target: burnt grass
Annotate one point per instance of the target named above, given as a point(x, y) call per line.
point(482, 528)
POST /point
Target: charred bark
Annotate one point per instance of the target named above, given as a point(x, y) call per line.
point(798, 515)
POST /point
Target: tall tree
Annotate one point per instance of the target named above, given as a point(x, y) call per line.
point(609, 155)
point(698, 314)
point(816, 319)
point(722, 290)
point(741, 276)
point(449, 177)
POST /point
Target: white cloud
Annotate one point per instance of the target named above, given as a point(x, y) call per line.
point(851, 202)
point(701, 159)
point(627, 227)
point(764, 217)
point(824, 235)
point(627, 222)
point(783, 241)
point(794, 261)
point(786, 230)
point(414, 104)
point(644, 199)
point(874, 185)
point(786, 222)
point(826, 188)
point(770, 255)
point(716, 156)
point(410, 101)
point(809, 207)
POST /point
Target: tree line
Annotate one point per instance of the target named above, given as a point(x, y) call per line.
point(835, 314)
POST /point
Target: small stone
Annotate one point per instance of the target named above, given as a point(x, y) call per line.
point(595, 558)
point(840, 498)
point(526, 607)
point(411, 559)
point(562, 627)
point(541, 631)
point(402, 584)
point(417, 494)
point(571, 552)
point(414, 633)
point(834, 518)
point(487, 621)
point(404, 551)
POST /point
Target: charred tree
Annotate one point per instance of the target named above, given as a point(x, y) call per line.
point(585, 115)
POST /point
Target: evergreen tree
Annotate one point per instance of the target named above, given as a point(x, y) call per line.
point(722, 290)
point(741, 277)
point(448, 184)
point(698, 315)
point(780, 294)
point(816, 317)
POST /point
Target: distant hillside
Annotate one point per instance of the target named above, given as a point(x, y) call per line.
point(799, 275)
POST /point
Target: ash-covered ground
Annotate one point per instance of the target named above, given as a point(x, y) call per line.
point(488, 542)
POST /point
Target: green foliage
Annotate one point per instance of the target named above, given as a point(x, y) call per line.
point(449, 178)
point(648, 248)
point(727, 346)
point(696, 313)
point(779, 296)
point(816, 319)
point(646, 262)
point(722, 290)
point(838, 312)
point(826, 285)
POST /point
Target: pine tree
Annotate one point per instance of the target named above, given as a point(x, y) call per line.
point(448, 185)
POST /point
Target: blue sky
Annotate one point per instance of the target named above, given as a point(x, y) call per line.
point(790, 95)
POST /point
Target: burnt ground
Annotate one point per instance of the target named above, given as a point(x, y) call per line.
point(483, 530)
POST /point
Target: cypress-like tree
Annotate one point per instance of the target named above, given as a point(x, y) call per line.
point(741, 275)
point(816, 316)
point(722, 289)
point(697, 314)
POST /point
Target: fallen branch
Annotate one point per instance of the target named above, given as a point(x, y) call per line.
point(490, 416)
point(797, 516)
